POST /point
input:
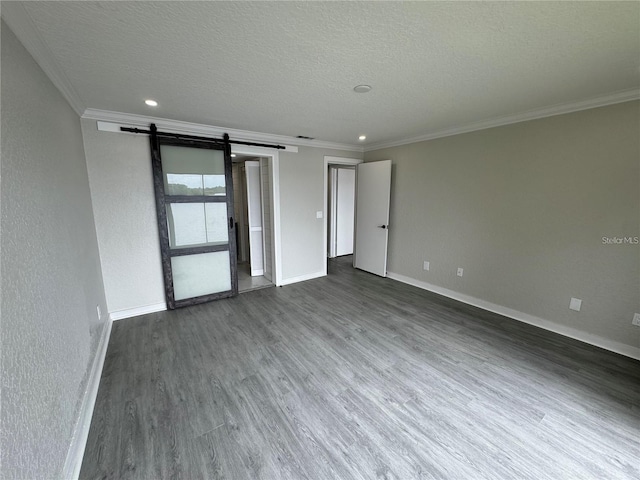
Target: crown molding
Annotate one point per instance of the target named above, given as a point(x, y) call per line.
point(18, 19)
point(559, 109)
point(22, 26)
point(178, 126)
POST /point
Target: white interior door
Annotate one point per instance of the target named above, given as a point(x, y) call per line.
point(254, 217)
point(373, 195)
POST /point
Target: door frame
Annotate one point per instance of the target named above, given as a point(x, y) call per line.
point(274, 172)
point(329, 160)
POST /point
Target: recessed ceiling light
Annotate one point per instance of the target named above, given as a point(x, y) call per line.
point(362, 88)
point(362, 137)
point(233, 155)
point(151, 103)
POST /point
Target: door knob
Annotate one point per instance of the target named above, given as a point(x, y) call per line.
point(382, 226)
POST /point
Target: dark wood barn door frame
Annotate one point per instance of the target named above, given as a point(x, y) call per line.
point(162, 199)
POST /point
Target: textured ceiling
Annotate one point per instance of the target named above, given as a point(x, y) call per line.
point(289, 67)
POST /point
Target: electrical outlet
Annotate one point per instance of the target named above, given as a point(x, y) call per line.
point(575, 304)
point(425, 265)
point(319, 214)
point(460, 271)
point(99, 312)
point(636, 319)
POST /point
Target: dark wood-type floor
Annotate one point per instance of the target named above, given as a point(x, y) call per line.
point(353, 376)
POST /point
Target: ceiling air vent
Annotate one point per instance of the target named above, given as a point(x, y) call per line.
point(305, 138)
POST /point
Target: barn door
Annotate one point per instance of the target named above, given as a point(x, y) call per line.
point(194, 200)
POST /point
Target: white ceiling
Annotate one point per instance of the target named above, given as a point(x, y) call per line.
point(289, 68)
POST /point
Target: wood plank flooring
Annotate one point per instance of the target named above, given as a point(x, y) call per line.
point(353, 376)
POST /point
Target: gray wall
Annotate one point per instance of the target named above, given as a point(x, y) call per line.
point(51, 279)
point(301, 196)
point(523, 209)
point(124, 206)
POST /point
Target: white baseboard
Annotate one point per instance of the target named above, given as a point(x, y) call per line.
point(137, 311)
point(73, 461)
point(611, 345)
point(302, 278)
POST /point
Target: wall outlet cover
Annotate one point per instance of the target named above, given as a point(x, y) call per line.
point(636, 319)
point(575, 304)
point(319, 214)
point(460, 271)
point(425, 265)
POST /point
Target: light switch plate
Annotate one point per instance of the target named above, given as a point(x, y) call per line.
point(575, 304)
point(636, 319)
point(319, 214)
point(425, 265)
point(460, 271)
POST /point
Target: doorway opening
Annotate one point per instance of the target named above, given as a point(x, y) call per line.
point(341, 219)
point(253, 209)
point(339, 201)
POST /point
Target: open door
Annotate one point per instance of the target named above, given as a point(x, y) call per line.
point(254, 217)
point(373, 193)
